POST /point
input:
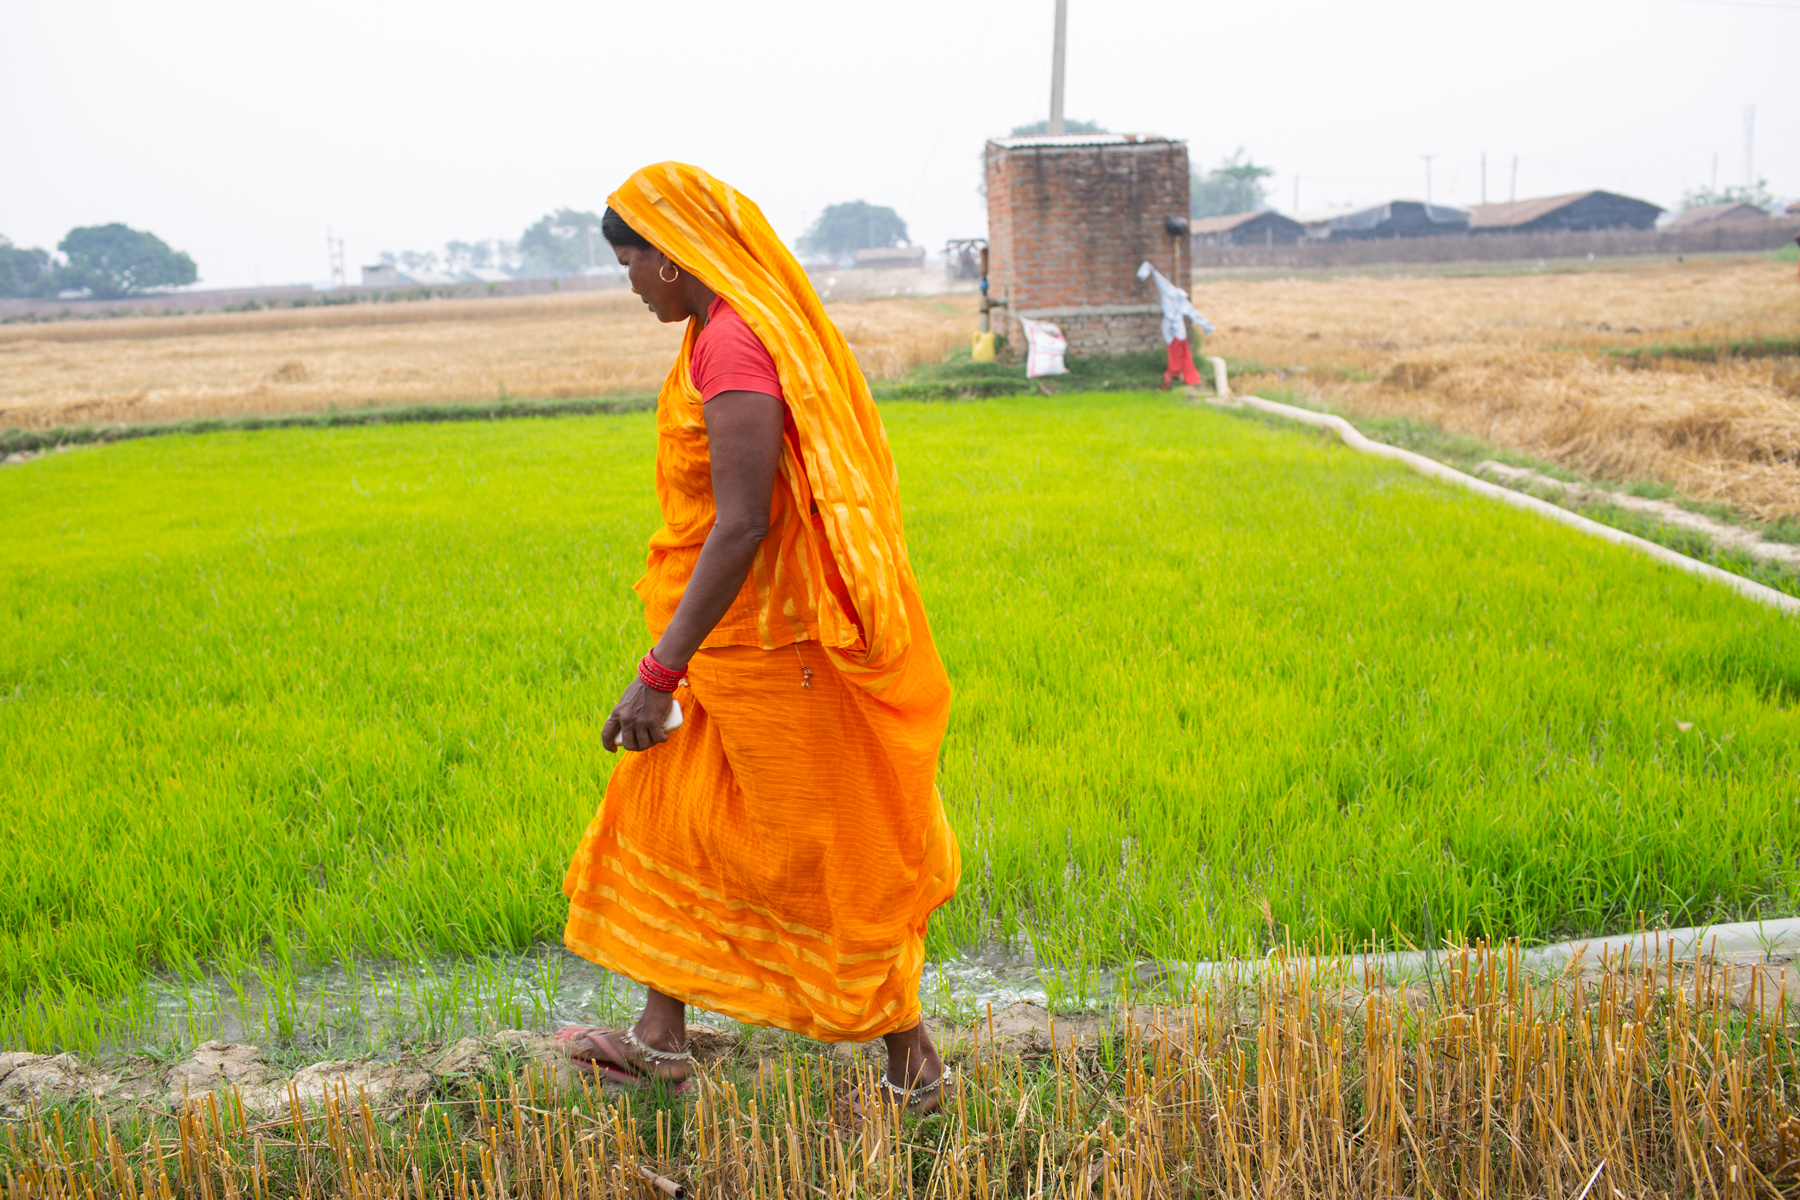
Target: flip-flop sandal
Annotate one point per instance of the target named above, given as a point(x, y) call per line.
point(627, 1058)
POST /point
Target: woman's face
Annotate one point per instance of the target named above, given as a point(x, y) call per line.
point(648, 271)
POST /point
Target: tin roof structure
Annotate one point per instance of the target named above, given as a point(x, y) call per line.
point(1708, 214)
point(1048, 140)
point(1592, 209)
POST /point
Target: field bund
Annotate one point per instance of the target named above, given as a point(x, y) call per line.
point(273, 699)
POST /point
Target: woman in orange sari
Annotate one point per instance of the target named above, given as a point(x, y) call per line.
point(775, 857)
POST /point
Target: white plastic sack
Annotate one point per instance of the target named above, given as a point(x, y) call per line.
point(1044, 349)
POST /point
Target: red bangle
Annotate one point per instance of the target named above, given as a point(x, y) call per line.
point(657, 677)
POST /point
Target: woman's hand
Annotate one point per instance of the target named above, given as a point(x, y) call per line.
point(637, 719)
point(743, 432)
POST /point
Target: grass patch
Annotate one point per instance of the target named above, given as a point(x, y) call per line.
point(1464, 452)
point(273, 697)
point(958, 377)
point(1753, 347)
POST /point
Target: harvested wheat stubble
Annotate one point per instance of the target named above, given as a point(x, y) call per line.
point(1655, 1077)
point(1522, 362)
point(307, 360)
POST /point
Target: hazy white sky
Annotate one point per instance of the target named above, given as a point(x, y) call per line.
point(239, 132)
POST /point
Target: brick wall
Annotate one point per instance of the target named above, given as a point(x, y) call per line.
point(1068, 226)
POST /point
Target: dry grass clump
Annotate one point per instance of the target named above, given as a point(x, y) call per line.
point(1646, 1081)
point(1522, 361)
point(307, 360)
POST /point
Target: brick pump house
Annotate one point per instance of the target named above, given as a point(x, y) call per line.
point(1070, 217)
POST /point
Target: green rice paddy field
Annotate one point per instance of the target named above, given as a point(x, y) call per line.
point(283, 696)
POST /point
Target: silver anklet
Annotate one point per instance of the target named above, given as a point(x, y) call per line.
point(908, 1094)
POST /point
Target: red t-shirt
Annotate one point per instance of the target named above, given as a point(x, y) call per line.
point(729, 357)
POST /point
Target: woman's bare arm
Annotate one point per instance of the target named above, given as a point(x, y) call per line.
point(743, 433)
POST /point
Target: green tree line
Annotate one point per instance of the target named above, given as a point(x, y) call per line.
point(107, 262)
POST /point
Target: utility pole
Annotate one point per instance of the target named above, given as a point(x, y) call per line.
point(1428, 158)
point(1484, 176)
point(1512, 194)
point(1749, 146)
point(334, 254)
point(1296, 194)
point(1057, 53)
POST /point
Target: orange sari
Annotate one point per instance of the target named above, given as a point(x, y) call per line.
point(777, 858)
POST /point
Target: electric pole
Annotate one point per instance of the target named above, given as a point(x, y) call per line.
point(1058, 50)
point(1428, 158)
point(1749, 146)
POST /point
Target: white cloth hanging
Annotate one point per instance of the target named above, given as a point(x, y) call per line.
point(1175, 306)
point(1044, 348)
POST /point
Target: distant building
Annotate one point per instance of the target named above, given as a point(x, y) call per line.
point(390, 275)
point(891, 256)
point(1794, 208)
point(1266, 228)
point(1396, 218)
point(1713, 214)
point(1576, 210)
point(483, 275)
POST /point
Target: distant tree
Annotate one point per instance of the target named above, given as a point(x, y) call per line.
point(1234, 186)
point(113, 261)
point(565, 242)
point(1037, 127)
point(843, 229)
point(22, 271)
point(1702, 197)
point(419, 260)
point(496, 253)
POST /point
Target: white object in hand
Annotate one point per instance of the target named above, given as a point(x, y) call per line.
point(671, 723)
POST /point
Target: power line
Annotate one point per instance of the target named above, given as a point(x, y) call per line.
point(976, 50)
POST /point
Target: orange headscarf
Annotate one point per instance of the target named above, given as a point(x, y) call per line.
point(723, 239)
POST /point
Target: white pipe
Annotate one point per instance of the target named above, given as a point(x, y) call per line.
point(1739, 944)
point(1437, 470)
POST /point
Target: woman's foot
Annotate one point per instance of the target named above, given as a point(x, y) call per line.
point(652, 1051)
point(621, 1056)
point(915, 1074)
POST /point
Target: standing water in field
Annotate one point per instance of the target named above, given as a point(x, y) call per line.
point(367, 1002)
point(363, 1002)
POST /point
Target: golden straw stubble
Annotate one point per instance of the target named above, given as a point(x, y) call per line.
point(384, 355)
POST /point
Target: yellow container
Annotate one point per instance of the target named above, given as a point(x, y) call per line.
point(982, 349)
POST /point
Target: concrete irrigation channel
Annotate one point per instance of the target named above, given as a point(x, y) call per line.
point(1351, 437)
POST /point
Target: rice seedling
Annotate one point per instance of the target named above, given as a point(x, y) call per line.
point(1292, 1078)
point(277, 701)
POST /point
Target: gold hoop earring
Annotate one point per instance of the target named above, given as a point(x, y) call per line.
point(668, 278)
